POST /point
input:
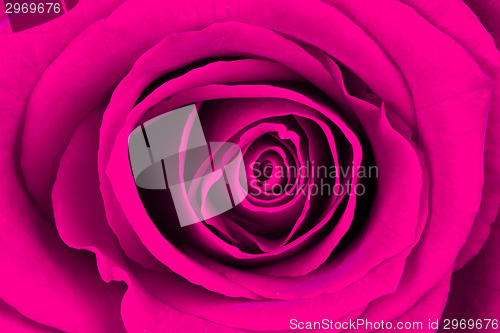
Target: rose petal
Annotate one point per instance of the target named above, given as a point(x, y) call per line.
point(144, 313)
point(158, 246)
point(477, 41)
point(13, 321)
point(78, 209)
point(454, 94)
point(26, 55)
point(487, 12)
point(267, 315)
point(61, 287)
point(475, 289)
point(427, 309)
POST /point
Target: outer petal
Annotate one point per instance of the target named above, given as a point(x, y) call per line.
point(451, 103)
point(78, 209)
point(144, 313)
point(41, 277)
point(44, 279)
point(475, 289)
point(267, 315)
point(477, 41)
point(13, 321)
point(488, 12)
point(25, 55)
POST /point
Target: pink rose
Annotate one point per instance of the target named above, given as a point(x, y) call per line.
point(398, 99)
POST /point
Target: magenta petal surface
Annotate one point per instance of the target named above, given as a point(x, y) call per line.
point(409, 87)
